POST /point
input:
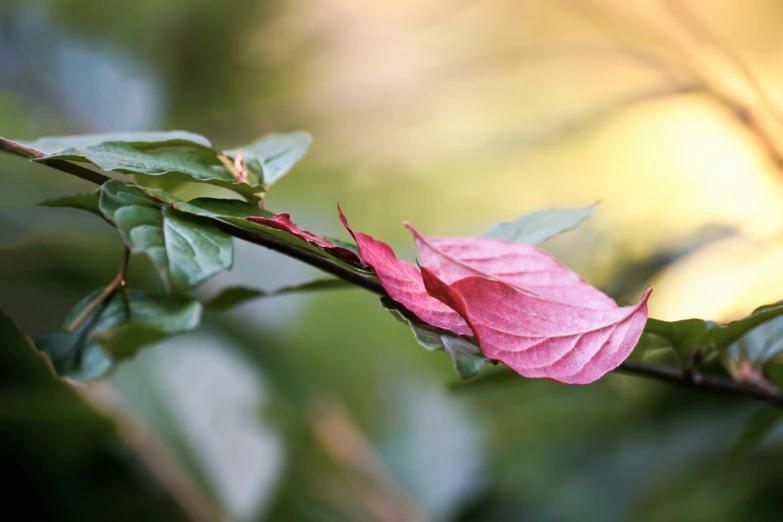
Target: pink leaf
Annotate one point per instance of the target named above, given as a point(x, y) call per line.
point(283, 222)
point(523, 267)
point(539, 337)
point(241, 167)
point(402, 281)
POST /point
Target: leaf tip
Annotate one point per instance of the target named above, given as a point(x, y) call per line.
point(409, 226)
point(344, 220)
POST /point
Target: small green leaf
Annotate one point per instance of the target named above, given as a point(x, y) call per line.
point(467, 357)
point(184, 165)
point(224, 209)
point(273, 155)
point(535, 228)
point(722, 336)
point(685, 336)
point(116, 330)
point(649, 342)
point(186, 249)
point(237, 295)
point(755, 430)
point(88, 202)
point(761, 344)
point(139, 140)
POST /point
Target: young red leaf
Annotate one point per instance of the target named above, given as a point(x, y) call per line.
point(524, 267)
point(403, 283)
point(240, 167)
point(283, 222)
point(538, 337)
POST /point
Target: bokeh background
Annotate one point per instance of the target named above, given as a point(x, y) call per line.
point(454, 115)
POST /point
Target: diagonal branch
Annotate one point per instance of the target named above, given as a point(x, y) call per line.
point(64, 166)
point(700, 382)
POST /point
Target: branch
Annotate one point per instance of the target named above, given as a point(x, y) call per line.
point(69, 168)
point(334, 268)
point(701, 382)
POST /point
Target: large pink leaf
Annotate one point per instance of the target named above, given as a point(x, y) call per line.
point(526, 268)
point(283, 222)
point(402, 281)
point(539, 337)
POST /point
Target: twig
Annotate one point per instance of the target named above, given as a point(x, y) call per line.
point(701, 382)
point(334, 268)
point(662, 373)
point(74, 170)
point(117, 283)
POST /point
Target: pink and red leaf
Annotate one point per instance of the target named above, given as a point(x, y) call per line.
point(402, 281)
point(526, 309)
point(283, 222)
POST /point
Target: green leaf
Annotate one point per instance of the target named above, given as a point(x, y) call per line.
point(87, 202)
point(139, 140)
point(685, 336)
point(225, 209)
point(535, 228)
point(152, 318)
point(61, 449)
point(467, 357)
point(273, 155)
point(186, 249)
point(233, 212)
point(237, 295)
point(755, 430)
point(722, 336)
point(761, 344)
point(184, 165)
point(116, 330)
point(649, 342)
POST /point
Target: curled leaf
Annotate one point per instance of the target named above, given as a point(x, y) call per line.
point(404, 284)
point(539, 337)
point(273, 155)
point(237, 167)
point(240, 167)
point(525, 309)
point(283, 222)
